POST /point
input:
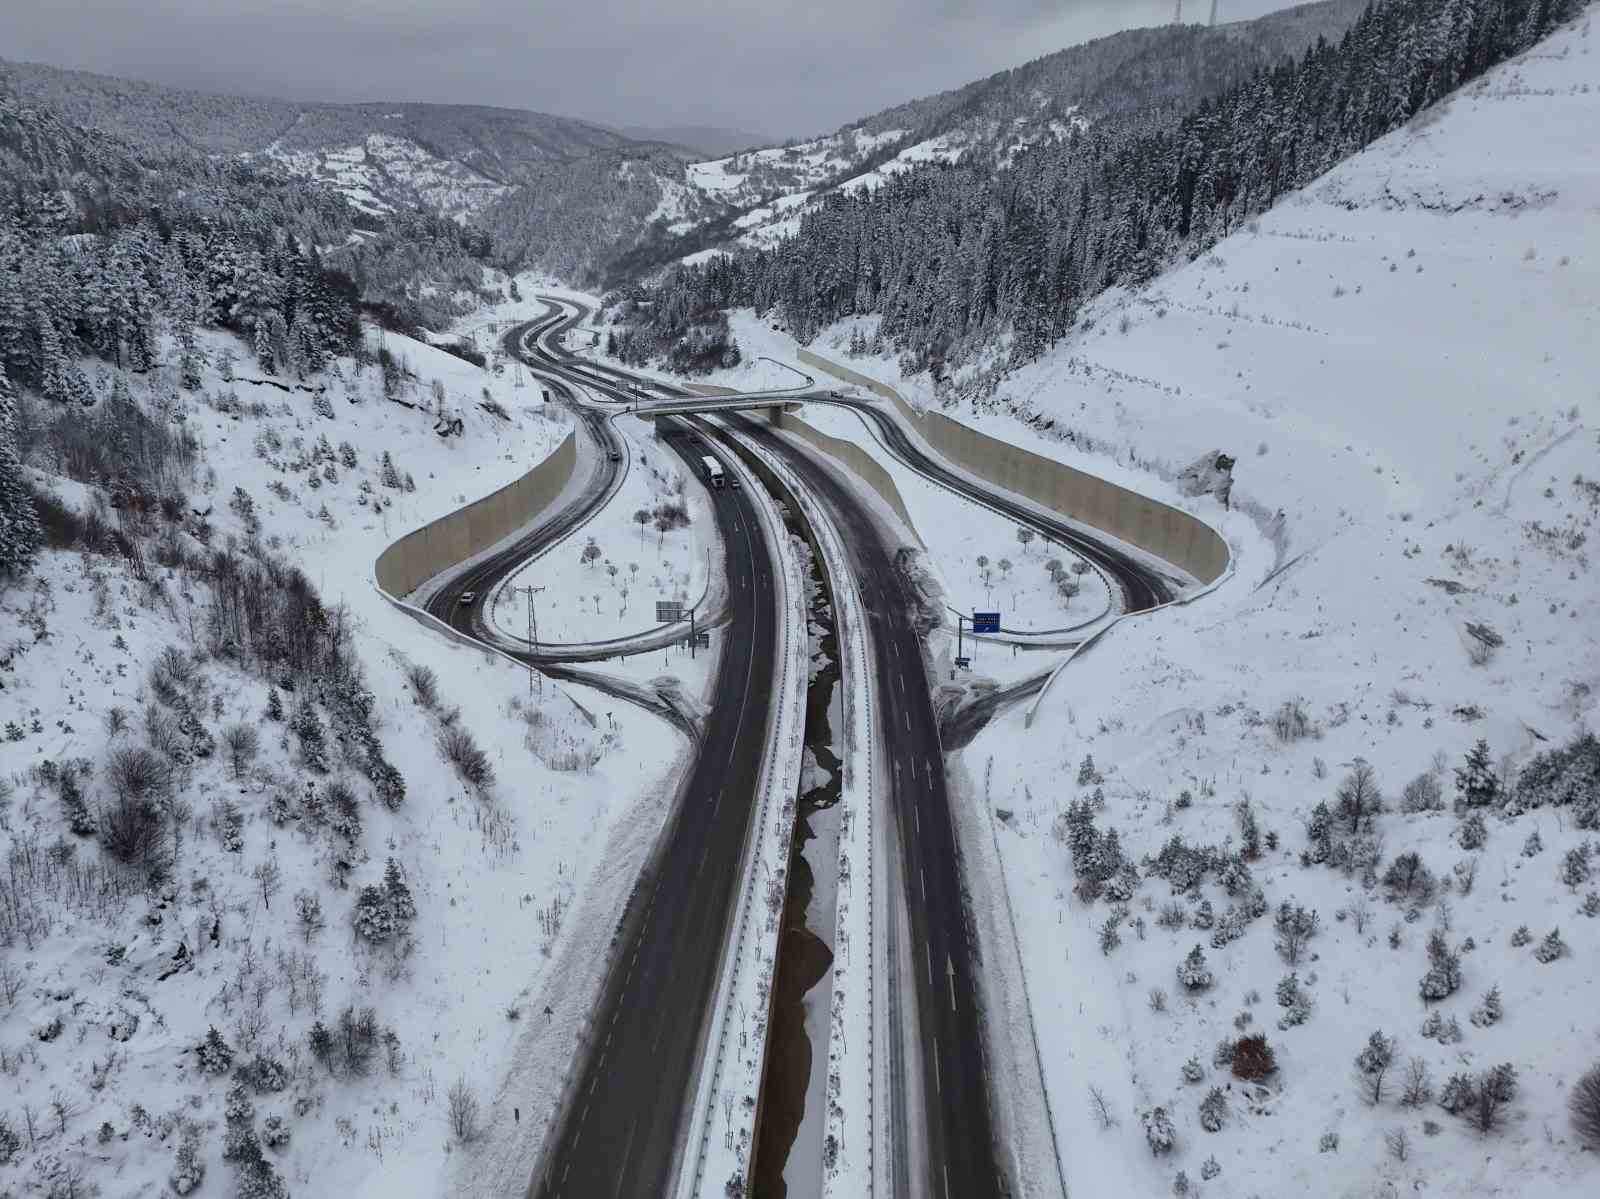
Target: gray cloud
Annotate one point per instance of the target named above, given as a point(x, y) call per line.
point(771, 66)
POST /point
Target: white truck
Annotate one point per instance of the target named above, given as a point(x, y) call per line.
point(713, 469)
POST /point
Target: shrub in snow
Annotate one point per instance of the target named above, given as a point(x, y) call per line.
point(1193, 1071)
point(1171, 916)
point(1329, 1143)
point(10, 1142)
point(274, 1132)
point(1444, 970)
point(1521, 937)
point(1253, 1058)
point(1223, 1054)
point(1193, 973)
point(1213, 1110)
point(307, 728)
point(1575, 866)
point(1180, 1184)
point(238, 1107)
point(1552, 947)
point(1472, 833)
point(1423, 794)
point(1295, 1000)
point(322, 1045)
point(1459, 1094)
point(1088, 776)
point(1372, 1065)
point(1158, 1131)
point(1591, 904)
point(1490, 1012)
point(1583, 1105)
point(1477, 782)
point(1209, 1169)
point(1158, 1000)
point(1203, 916)
point(188, 1163)
point(374, 918)
point(1408, 878)
point(214, 1054)
point(1294, 928)
point(1496, 1088)
point(265, 1074)
point(1533, 846)
point(1568, 776)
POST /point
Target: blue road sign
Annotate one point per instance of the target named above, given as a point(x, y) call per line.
point(986, 622)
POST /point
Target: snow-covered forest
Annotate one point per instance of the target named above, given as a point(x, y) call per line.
point(959, 259)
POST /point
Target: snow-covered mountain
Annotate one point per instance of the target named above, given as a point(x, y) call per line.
point(1124, 76)
point(468, 162)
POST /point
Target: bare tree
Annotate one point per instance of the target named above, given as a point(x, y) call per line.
point(64, 1107)
point(1399, 1143)
point(308, 908)
point(241, 742)
point(1100, 1108)
point(268, 879)
point(1418, 1087)
point(10, 982)
point(1361, 914)
point(1358, 799)
point(463, 1112)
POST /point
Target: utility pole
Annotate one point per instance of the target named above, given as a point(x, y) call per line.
point(1213, 13)
point(1177, 17)
point(533, 637)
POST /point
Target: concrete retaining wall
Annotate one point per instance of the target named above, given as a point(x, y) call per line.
point(1160, 529)
point(855, 458)
point(424, 552)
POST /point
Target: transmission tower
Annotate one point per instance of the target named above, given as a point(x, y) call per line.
point(1213, 13)
point(1177, 16)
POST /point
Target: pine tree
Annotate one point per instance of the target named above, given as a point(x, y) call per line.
point(20, 534)
point(1477, 784)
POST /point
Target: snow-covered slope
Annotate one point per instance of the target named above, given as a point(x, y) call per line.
point(383, 171)
point(244, 916)
point(1402, 358)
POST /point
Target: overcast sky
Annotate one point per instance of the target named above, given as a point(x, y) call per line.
point(774, 67)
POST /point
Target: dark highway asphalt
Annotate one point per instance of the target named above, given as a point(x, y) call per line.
point(957, 1152)
point(620, 1129)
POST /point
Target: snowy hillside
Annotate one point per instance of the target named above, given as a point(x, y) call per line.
point(263, 832)
point(385, 171)
point(1402, 359)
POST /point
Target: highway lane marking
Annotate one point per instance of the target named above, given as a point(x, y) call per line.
point(627, 1152)
point(916, 812)
point(905, 716)
point(913, 770)
point(937, 1086)
point(947, 1181)
point(927, 957)
point(924, 875)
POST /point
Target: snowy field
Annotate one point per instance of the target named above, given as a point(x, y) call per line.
point(278, 913)
point(604, 580)
point(975, 553)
